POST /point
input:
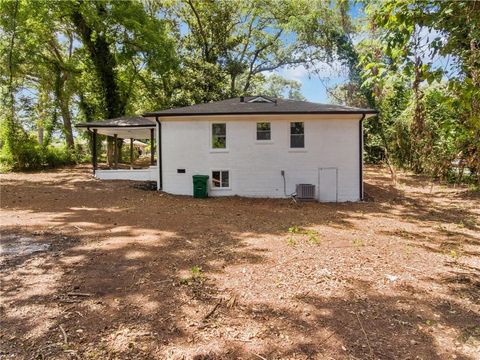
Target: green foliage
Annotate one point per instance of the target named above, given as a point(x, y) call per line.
point(228, 45)
point(276, 86)
point(312, 236)
point(429, 118)
point(309, 235)
point(72, 61)
point(196, 276)
point(29, 155)
point(358, 243)
point(79, 61)
point(196, 272)
point(21, 151)
point(291, 241)
point(294, 229)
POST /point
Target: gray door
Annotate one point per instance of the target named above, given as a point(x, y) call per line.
point(327, 184)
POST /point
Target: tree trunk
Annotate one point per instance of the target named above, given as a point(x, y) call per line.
point(40, 135)
point(109, 151)
point(67, 122)
point(63, 104)
point(67, 125)
point(99, 50)
point(11, 125)
point(232, 85)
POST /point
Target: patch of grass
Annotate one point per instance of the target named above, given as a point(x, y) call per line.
point(470, 335)
point(196, 276)
point(474, 187)
point(196, 272)
point(312, 236)
point(358, 242)
point(294, 229)
point(454, 254)
point(468, 222)
point(440, 228)
point(184, 281)
point(291, 241)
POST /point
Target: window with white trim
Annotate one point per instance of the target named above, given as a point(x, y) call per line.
point(220, 179)
point(264, 131)
point(219, 136)
point(297, 135)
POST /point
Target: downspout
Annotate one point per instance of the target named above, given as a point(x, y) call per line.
point(159, 153)
point(94, 149)
point(360, 155)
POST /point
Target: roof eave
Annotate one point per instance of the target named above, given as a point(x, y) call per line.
point(93, 125)
point(333, 112)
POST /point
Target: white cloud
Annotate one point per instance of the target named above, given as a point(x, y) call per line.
point(295, 73)
point(319, 69)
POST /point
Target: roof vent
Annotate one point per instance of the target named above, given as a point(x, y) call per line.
point(260, 99)
point(242, 98)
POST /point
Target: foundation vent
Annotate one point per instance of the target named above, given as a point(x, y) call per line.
point(305, 192)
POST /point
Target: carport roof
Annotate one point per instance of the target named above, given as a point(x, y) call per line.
point(120, 122)
point(125, 127)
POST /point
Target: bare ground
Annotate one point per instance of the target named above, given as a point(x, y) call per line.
point(105, 270)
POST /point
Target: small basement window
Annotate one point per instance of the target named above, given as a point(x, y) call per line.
point(220, 179)
point(297, 135)
point(219, 136)
point(264, 131)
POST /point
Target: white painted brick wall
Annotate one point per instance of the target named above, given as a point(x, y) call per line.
point(330, 141)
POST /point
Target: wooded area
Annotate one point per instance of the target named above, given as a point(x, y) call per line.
point(417, 62)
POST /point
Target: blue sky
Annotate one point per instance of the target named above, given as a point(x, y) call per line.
point(314, 86)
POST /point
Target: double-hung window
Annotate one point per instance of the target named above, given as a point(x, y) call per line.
point(264, 131)
point(220, 179)
point(297, 135)
point(219, 136)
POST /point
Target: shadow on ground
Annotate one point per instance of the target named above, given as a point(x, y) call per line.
point(136, 274)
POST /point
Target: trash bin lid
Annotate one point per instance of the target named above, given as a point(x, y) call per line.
point(200, 177)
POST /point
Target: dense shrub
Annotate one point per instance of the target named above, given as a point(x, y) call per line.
point(58, 156)
point(29, 155)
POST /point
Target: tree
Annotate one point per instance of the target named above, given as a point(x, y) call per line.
point(56, 46)
point(230, 44)
point(406, 50)
point(276, 86)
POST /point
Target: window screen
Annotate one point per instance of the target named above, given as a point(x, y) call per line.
point(220, 179)
point(297, 135)
point(219, 136)
point(263, 131)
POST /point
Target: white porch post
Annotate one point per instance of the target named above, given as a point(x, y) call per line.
point(131, 154)
point(158, 143)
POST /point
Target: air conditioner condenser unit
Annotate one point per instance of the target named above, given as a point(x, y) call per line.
point(305, 192)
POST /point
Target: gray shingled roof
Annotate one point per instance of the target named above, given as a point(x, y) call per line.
point(124, 121)
point(231, 106)
point(276, 106)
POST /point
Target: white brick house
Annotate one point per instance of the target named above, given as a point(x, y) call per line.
point(259, 147)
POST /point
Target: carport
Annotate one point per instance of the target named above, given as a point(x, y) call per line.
point(126, 128)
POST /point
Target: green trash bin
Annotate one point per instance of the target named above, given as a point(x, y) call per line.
point(200, 186)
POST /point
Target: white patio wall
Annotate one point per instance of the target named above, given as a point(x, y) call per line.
point(149, 174)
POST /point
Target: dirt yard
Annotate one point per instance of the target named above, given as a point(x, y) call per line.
point(106, 270)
